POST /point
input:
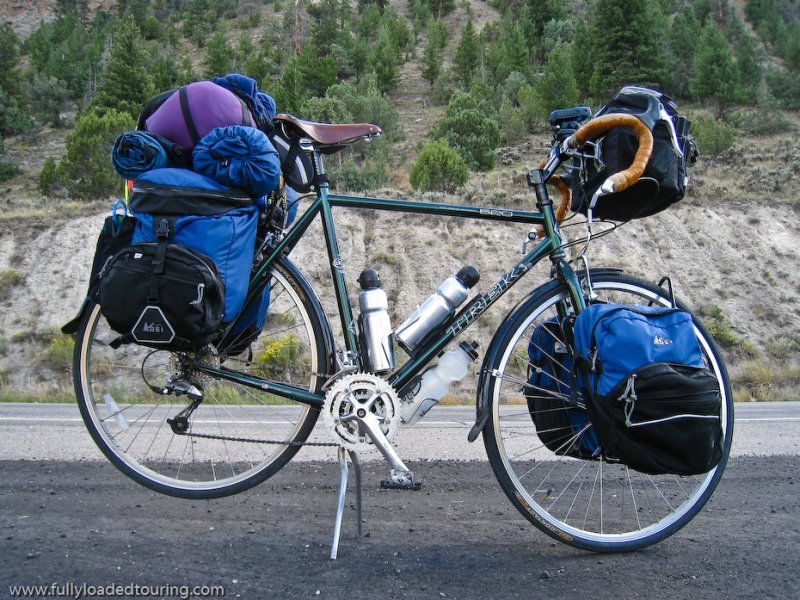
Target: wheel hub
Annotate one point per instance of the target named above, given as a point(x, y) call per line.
point(357, 401)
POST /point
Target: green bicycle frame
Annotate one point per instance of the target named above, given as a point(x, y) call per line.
point(550, 245)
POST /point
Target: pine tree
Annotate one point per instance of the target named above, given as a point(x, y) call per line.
point(627, 45)
point(289, 92)
point(219, 56)
point(317, 73)
point(465, 61)
point(557, 88)
point(466, 128)
point(431, 63)
point(746, 60)
point(535, 14)
point(715, 77)
point(683, 38)
point(13, 118)
point(125, 83)
point(582, 58)
point(384, 60)
point(516, 50)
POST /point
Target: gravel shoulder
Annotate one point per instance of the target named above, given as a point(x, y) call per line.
point(458, 538)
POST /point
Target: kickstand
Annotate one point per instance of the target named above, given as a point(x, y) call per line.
point(337, 529)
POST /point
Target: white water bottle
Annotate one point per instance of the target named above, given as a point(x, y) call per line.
point(435, 382)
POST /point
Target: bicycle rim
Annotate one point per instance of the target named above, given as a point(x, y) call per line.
point(251, 432)
point(592, 504)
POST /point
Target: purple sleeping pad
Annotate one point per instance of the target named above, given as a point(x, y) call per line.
point(209, 105)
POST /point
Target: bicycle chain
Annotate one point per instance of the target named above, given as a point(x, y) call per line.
point(211, 436)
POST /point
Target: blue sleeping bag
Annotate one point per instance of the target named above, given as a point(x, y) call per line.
point(241, 157)
point(209, 217)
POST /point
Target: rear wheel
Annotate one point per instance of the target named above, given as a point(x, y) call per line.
point(236, 436)
point(593, 504)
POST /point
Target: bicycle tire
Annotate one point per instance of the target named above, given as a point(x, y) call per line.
point(590, 504)
point(128, 420)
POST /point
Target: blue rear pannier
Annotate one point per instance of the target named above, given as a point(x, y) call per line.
point(213, 219)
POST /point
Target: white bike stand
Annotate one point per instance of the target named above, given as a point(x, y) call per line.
point(337, 529)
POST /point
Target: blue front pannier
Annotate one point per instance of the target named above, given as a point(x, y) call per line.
point(213, 219)
point(561, 424)
point(651, 397)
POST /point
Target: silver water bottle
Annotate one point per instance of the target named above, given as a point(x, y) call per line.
point(374, 325)
point(436, 309)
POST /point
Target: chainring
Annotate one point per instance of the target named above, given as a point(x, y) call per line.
point(360, 392)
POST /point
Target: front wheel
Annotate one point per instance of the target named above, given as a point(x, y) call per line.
point(587, 502)
point(236, 436)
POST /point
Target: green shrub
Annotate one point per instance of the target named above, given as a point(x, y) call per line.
point(468, 130)
point(58, 354)
point(351, 176)
point(86, 169)
point(49, 177)
point(438, 168)
point(713, 137)
point(7, 170)
point(722, 332)
point(8, 280)
point(767, 120)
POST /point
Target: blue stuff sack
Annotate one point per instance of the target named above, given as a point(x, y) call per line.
point(653, 402)
point(240, 157)
point(561, 424)
point(135, 152)
point(208, 217)
point(261, 104)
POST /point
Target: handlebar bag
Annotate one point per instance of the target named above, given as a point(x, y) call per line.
point(562, 426)
point(215, 220)
point(664, 179)
point(651, 398)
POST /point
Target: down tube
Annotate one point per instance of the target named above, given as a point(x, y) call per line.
point(476, 307)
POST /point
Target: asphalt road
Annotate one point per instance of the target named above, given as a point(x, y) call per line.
point(67, 517)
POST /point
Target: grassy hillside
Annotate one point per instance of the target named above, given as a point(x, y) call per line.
point(731, 245)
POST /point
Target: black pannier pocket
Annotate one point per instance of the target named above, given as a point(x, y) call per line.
point(561, 426)
point(662, 418)
point(180, 307)
point(115, 235)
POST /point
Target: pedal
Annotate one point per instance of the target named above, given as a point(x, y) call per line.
point(411, 486)
point(401, 480)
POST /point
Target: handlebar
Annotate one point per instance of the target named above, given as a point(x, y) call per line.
point(600, 126)
point(617, 182)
